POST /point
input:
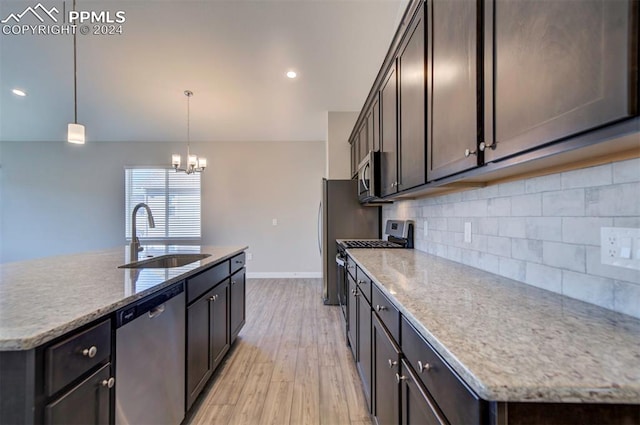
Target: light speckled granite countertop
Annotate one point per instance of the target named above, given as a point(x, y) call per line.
point(45, 298)
point(510, 341)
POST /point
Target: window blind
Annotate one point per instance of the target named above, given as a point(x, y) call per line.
point(174, 199)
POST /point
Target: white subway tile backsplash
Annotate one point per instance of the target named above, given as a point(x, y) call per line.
point(626, 298)
point(499, 207)
point(513, 269)
point(544, 228)
point(584, 230)
point(513, 227)
point(588, 288)
point(543, 231)
point(564, 256)
point(499, 246)
point(626, 171)
point(526, 249)
point(615, 200)
point(511, 188)
point(527, 205)
point(543, 184)
point(564, 203)
point(587, 177)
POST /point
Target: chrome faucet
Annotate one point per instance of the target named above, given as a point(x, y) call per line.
point(135, 242)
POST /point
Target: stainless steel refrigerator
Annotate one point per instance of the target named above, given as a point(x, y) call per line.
point(341, 217)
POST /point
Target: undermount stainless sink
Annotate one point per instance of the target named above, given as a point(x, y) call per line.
point(165, 261)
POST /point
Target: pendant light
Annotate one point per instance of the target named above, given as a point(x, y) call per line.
point(194, 164)
point(75, 131)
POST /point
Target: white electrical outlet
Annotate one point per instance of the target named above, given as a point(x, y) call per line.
point(249, 256)
point(620, 247)
point(426, 229)
point(467, 231)
point(274, 221)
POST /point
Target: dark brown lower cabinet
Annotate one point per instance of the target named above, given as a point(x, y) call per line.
point(352, 316)
point(237, 293)
point(208, 338)
point(386, 386)
point(417, 406)
point(87, 403)
point(363, 359)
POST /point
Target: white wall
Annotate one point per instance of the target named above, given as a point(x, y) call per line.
point(57, 198)
point(339, 126)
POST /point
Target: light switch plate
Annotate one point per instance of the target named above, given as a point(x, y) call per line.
point(620, 247)
point(249, 256)
point(467, 231)
point(274, 221)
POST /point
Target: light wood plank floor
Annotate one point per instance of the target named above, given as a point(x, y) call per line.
point(290, 364)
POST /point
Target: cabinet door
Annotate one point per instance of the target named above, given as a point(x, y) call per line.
point(364, 141)
point(453, 68)
point(363, 361)
point(352, 316)
point(411, 67)
point(386, 387)
point(238, 291)
point(374, 129)
point(199, 367)
point(354, 157)
point(220, 339)
point(417, 406)
point(389, 133)
point(559, 68)
point(88, 403)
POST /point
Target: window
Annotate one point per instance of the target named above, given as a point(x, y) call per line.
point(174, 199)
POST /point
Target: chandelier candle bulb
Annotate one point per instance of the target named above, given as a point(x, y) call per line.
point(175, 160)
point(75, 134)
point(202, 163)
point(192, 161)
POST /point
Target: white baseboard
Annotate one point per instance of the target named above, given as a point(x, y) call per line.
point(283, 275)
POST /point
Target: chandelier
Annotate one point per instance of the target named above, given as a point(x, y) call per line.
point(194, 164)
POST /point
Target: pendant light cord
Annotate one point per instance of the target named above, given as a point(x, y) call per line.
point(75, 73)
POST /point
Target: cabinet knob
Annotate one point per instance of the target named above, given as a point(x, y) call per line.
point(468, 153)
point(109, 383)
point(484, 146)
point(213, 297)
point(423, 366)
point(380, 308)
point(392, 363)
point(360, 282)
point(233, 282)
point(400, 378)
point(90, 352)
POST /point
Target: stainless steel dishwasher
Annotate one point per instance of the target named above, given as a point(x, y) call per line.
point(150, 346)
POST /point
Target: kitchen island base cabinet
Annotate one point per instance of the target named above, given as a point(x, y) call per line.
point(207, 338)
point(238, 295)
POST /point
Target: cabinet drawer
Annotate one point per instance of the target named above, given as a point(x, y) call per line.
point(88, 403)
point(68, 359)
point(387, 312)
point(458, 403)
point(351, 267)
point(237, 262)
point(364, 282)
point(206, 280)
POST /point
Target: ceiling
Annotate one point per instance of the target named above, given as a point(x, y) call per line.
point(232, 54)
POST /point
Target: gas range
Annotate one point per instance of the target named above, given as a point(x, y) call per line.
point(399, 233)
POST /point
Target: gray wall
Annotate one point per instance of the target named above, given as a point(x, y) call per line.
point(543, 231)
point(57, 198)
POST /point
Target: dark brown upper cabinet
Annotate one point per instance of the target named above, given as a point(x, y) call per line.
point(411, 69)
point(453, 51)
point(389, 133)
point(364, 141)
point(374, 125)
point(558, 68)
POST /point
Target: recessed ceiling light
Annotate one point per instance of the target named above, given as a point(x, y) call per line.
point(292, 74)
point(19, 92)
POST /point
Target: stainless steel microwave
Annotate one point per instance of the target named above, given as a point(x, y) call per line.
point(369, 177)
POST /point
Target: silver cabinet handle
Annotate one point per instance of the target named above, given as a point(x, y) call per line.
point(360, 282)
point(468, 152)
point(400, 378)
point(213, 297)
point(484, 146)
point(380, 308)
point(392, 363)
point(422, 367)
point(90, 352)
point(109, 383)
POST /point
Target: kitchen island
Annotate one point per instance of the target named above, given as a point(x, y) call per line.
point(46, 302)
point(511, 344)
